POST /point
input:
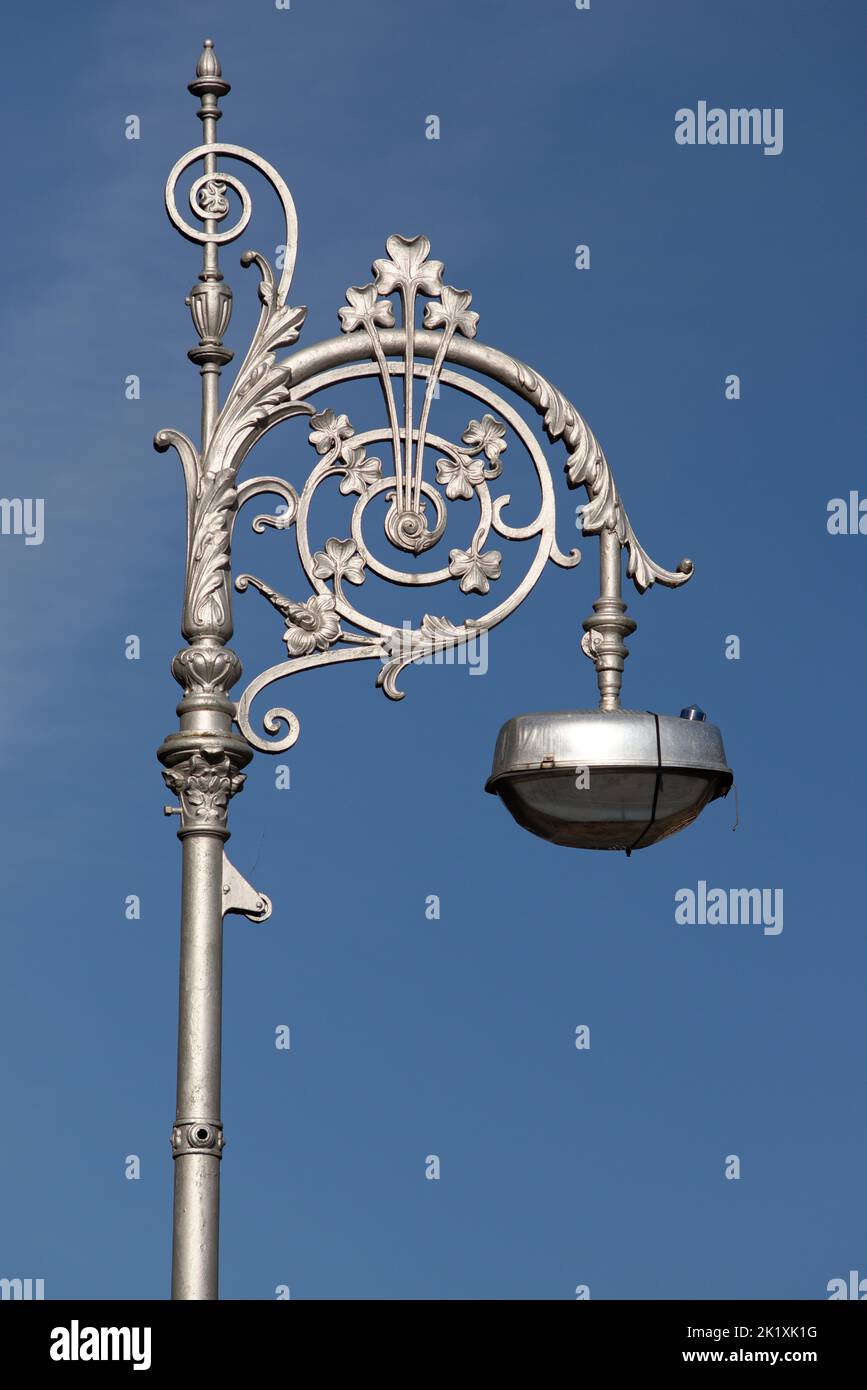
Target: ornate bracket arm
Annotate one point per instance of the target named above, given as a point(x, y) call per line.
point(324, 629)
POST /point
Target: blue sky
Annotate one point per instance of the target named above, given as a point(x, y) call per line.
point(409, 1037)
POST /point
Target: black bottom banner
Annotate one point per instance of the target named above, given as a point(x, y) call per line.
point(83, 1338)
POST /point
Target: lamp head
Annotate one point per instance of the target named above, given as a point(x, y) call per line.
point(608, 779)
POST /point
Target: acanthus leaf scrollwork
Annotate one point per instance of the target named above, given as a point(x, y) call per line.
point(260, 395)
point(588, 467)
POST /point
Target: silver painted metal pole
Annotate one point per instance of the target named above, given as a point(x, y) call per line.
point(197, 1174)
point(203, 762)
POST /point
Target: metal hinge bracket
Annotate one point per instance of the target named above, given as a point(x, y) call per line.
point(241, 897)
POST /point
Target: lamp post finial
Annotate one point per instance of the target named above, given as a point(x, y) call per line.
point(209, 79)
point(208, 64)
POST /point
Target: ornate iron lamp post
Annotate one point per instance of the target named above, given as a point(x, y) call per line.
point(648, 775)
